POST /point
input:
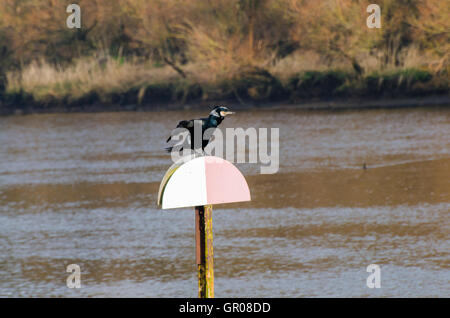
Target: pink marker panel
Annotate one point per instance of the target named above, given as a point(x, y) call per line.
point(224, 182)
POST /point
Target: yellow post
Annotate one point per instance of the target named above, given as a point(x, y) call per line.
point(204, 251)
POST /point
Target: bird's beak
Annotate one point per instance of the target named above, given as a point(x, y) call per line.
point(225, 113)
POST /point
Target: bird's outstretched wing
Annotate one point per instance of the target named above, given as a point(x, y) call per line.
point(183, 124)
point(186, 124)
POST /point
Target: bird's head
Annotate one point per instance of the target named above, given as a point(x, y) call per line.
point(220, 111)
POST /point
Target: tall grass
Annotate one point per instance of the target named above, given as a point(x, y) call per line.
point(138, 51)
point(84, 76)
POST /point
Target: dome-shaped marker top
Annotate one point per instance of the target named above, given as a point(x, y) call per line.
point(202, 181)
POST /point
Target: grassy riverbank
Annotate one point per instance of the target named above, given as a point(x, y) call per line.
point(142, 54)
point(116, 84)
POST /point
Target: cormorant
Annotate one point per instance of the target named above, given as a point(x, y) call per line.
point(216, 116)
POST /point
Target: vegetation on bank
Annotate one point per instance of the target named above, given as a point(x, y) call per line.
point(124, 83)
point(137, 52)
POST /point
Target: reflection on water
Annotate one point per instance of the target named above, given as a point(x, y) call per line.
point(81, 188)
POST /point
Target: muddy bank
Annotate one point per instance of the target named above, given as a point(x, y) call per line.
point(324, 104)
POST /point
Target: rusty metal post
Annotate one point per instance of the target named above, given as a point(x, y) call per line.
point(204, 251)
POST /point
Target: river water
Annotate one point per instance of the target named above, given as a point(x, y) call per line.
point(81, 189)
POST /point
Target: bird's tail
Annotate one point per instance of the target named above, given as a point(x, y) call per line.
point(169, 149)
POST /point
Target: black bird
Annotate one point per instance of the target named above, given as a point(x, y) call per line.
point(216, 116)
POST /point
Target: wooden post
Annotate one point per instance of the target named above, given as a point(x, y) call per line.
point(201, 182)
point(204, 251)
